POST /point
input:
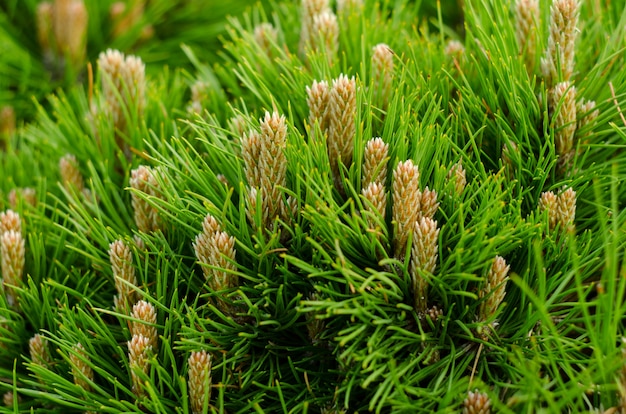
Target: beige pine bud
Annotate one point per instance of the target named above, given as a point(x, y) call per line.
point(423, 259)
point(266, 36)
point(144, 179)
point(318, 102)
point(70, 30)
point(563, 108)
point(251, 153)
point(8, 399)
point(71, 176)
point(407, 199)
point(477, 403)
point(561, 42)
point(44, 21)
point(121, 258)
point(310, 9)
point(493, 291)
point(26, 194)
point(12, 251)
point(10, 220)
point(7, 124)
point(125, 19)
point(376, 194)
point(325, 35)
point(342, 125)
point(588, 114)
point(199, 93)
point(566, 209)
point(454, 49)
point(548, 202)
point(138, 351)
point(81, 369)
point(38, 348)
point(199, 380)
point(526, 22)
point(133, 76)
point(145, 322)
point(429, 203)
point(457, 175)
point(375, 160)
point(382, 74)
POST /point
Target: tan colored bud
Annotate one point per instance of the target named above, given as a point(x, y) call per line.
point(477, 403)
point(125, 18)
point(566, 209)
point(121, 258)
point(325, 35)
point(12, 251)
point(9, 399)
point(71, 176)
point(251, 153)
point(309, 9)
point(526, 24)
point(10, 220)
point(238, 125)
point(266, 36)
point(376, 194)
point(145, 323)
point(588, 115)
point(7, 122)
point(342, 125)
point(318, 95)
point(199, 380)
point(43, 14)
point(562, 101)
point(39, 353)
point(382, 74)
point(457, 175)
point(548, 202)
point(561, 42)
point(454, 49)
point(407, 199)
point(423, 259)
point(146, 180)
point(493, 291)
point(81, 368)
point(138, 350)
point(375, 160)
point(26, 194)
point(429, 203)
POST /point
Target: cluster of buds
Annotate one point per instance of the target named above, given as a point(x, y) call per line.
point(215, 251)
point(62, 32)
point(423, 260)
point(39, 353)
point(12, 251)
point(334, 110)
point(71, 177)
point(375, 159)
point(139, 349)
point(587, 115)
point(562, 104)
point(456, 175)
point(477, 403)
point(310, 9)
point(526, 23)
point(491, 295)
point(557, 65)
point(199, 380)
point(26, 195)
point(266, 172)
point(382, 75)
point(144, 323)
point(561, 209)
point(148, 182)
point(121, 258)
point(266, 35)
point(126, 16)
point(81, 367)
point(123, 82)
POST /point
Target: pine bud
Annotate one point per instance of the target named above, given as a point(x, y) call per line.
point(7, 123)
point(566, 209)
point(12, 251)
point(125, 19)
point(146, 180)
point(10, 220)
point(266, 36)
point(26, 194)
point(238, 124)
point(342, 125)
point(375, 160)
point(199, 380)
point(251, 153)
point(145, 322)
point(70, 30)
point(71, 176)
point(38, 348)
point(454, 49)
point(561, 42)
point(81, 369)
point(325, 35)
point(588, 114)
point(548, 202)
point(456, 174)
point(493, 291)
point(526, 22)
point(44, 18)
point(199, 93)
point(8, 399)
point(310, 9)
point(423, 259)
point(318, 102)
point(382, 74)
point(376, 194)
point(407, 199)
point(563, 108)
point(138, 350)
point(121, 259)
point(477, 403)
point(429, 203)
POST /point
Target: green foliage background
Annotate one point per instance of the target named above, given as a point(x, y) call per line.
point(557, 347)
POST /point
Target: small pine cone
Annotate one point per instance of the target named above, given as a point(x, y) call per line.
point(71, 176)
point(563, 109)
point(146, 180)
point(265, 36)
point(310, 9)
point(133, 75)
point(429, 203)
point(548, 202)
point(10, 220)
point(317, 100)
point(39, 353)
point(375, 162)
point(561, 41)
point(423, 259)
point(121, 258)
point(138, 350)
point(199, 380)
point(12, 251)
point(457, 174)
point(434, 313)
point(70, 30)
point(526, 21)
point(145, 322)
point(454, 49)
point(477, 403)
point(273, 163)
point(382, 74)
point(251, 147)
point(376, 194)
point(566, 209)
point(26, 194)
point(493, 292)
point(588, 114)
point(238, 125)
point(81, 369)
point(342, 125)
point(407, 199)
